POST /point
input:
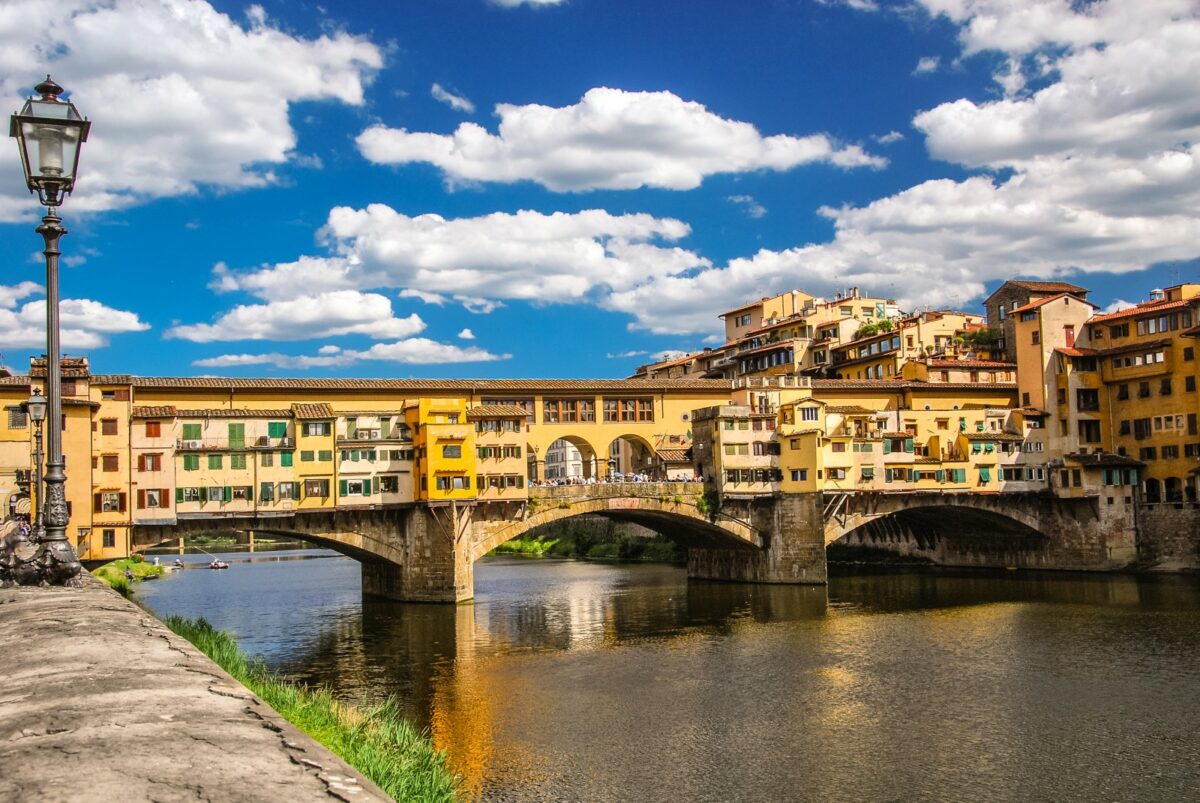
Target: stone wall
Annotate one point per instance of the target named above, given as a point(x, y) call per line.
point(1169, 536)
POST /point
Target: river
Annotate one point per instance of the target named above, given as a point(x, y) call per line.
point(579, 681)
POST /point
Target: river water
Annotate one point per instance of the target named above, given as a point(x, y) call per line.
point(578, 681)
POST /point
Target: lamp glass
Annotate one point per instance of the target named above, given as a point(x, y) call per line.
point(37, 407)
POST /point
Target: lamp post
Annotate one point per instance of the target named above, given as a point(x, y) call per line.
point(36, 408)
point(49, 132)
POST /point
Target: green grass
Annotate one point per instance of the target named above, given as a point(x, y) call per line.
point(377, 741)
point(527, 547)
point(114, 573)
point(581, 546)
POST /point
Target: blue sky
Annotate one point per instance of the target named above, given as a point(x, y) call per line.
point(567, 189)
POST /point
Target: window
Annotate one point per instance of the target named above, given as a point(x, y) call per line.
point(108, 502)
point(809, 413)
point(1089, 431)
point(1170, 452)
point(868, 473)
point(268, 459)
point(152, 498)
point(1143, 390)
point(187, 494)
point(325, 455)
point(216, 493)
point(1148, 453)
point(1087, 399)
point(318, 428)
point(453, 451)
point(316, 488)
point(1037, 337)
point(799, 475)
point(277, 429)
point(1124, 427)
point(153, 429)
point(628, 410)
point(150, 462)
point(837, 473)
point(454, 483)
point(215, 461)
point(389, 484)
point(770, 448)
point(191, 432)
point(1141, 428)
point(307, 456)
point(108, 462)
point(1122, 392)
point(285, 459)
point(17, 418)
point(191, 462)
point(568, 411)
point(237, 461)
point(837, 446)
point(1164, 388)
point(108, 426)
point(241, 492)
point(109, 538)
point(289, 490)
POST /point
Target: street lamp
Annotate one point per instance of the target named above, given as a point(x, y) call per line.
point(49, 132)
point(36, 408)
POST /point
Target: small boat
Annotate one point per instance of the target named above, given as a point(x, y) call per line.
point(218, 564)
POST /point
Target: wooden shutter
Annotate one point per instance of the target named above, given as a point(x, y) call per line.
point(228, 493)
point(178, 495)
point(164, 500)
point(141, 462)
point(97, 504)
point(122, 503)
point(342, 487)
point(141, 499)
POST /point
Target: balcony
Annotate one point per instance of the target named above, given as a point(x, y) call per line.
point(226, 444)
point(368, 435)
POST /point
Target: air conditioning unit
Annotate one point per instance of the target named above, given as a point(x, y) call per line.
point(286, 443)
point(363, 434)
point(263, 440)
point(192, 444)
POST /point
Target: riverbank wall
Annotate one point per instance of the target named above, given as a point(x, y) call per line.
point(100, 701)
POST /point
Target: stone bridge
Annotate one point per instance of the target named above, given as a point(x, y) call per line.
point(963, 528)
point(427, 552)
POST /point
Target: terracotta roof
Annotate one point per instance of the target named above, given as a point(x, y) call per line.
point(463, 385)
point(226, 412)
point(319, 411)
point(928, 460)
point(969, 364)
point(1131, 347)
point(1001, 437)
point(165, 411)
point(1040, 287)
point(497, 411)
point(1074, 352)
point(848, 409)
point(1102, 459)
point(69, 402)
point(1032, 412)
point(897, 434)
point(1143, 308)
point(69, 367)
point(1041, 302)
point(778, 344)
point(674, 455)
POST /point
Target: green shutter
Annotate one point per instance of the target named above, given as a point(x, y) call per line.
point(264, 491)
point(237, 436)
point(191, 432)
point(228, 494)
point(277, 429)
point(285, 459)
point(985, 475)
point(941, 475)
point(250, 493)
point(342, 487)
point(908, 445)
point(178, 495)
point(887, 446)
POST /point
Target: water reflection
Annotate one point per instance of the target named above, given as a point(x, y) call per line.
point(580, 681)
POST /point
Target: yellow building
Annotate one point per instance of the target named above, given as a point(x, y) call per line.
point(500, 459)
point(445, 448)
point(315, 448)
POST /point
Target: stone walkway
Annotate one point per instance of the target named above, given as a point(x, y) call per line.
point(99, 701)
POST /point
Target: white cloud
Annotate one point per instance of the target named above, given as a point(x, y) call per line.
point(611, 139)
point(624, 355)
point(481, 261)
point(341, 312)
point(411, 351)
point(466, 334)
point(1117, 305)
point(85, 324)
point(456, 102)
point(889, 138)
point(926, 65)
point(750, 206)
point(166, 83)
point(437, 299)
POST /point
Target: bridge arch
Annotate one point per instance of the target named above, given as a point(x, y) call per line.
point(677, 516)
point(630, 453)
point(552, 458)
